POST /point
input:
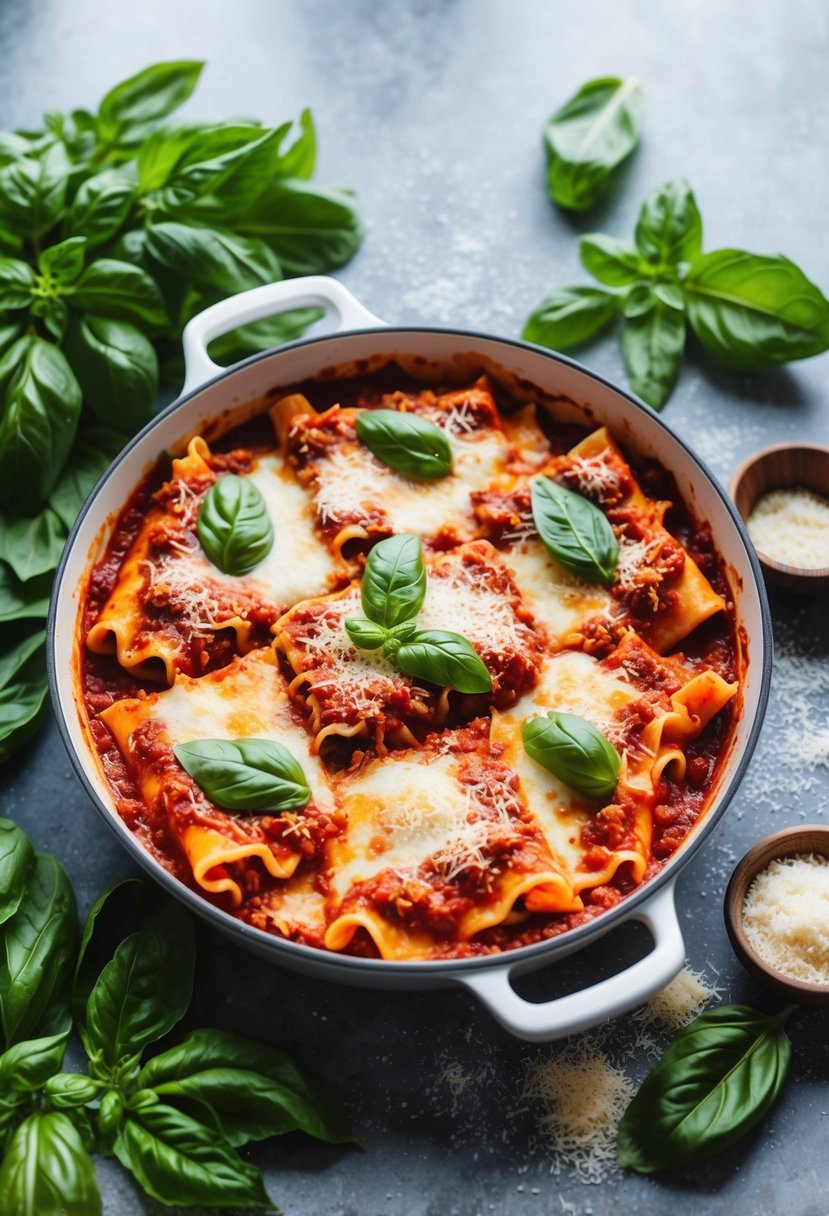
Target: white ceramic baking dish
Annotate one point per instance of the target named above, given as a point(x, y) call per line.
point(211, 392)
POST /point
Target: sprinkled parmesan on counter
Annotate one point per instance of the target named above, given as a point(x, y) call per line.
point(792, 527)
point(786, 916)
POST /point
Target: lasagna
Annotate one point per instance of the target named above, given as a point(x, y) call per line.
point(428, 828)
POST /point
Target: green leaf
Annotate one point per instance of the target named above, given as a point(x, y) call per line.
point(118, 289)
point(33, 191)
point(753, 312)
point(93, 452)
point(250, 776)
point(233, 526)
point(9, 334)
point(117, 370)
point(67, 1090)
point(309, 228)
point(100, 207)
point(613, 262)
point(212, 257)
point(394, 581)
point(27, 1066)
point(63, 262)
point(43, 404)
point(21, 712)
point(17, 283)
point(245, 1090)
point(300, 159)
point(119, 911)
point(718, 1079)
point(13, 661)
point(23, 601)
point(365, 634)
point(16, 860)
point(233, 175)
point(408, 443)
point(263, 335)
point(652, 343)
point(178, 1161)
point(443, 658)
point(55, 316)
point(144, 990)
point(569, 316)
point(131, 107)
point(47, 1171)
point(158, 156)
point(589, 136)
point(572, 749)
point(32, 545)
point(37, 950)
point(669, 229)
point(574, 532)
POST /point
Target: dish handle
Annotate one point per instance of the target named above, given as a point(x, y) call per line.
point(539, 1023)
point(313, 291)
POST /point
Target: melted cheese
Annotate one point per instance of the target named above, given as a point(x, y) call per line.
point(459, 600)
point(560, 602)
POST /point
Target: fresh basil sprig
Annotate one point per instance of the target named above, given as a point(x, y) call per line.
point(174, 1120)
point(393, 591)
point(233, 526)
point(572, 749)
point(406, 442)
point(750, 311)
point(250, 776)
point(574, 531)
point(717, 1080)
point(589, 136)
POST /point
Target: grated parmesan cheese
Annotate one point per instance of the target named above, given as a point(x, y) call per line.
point(679, 1002)
point(792, 527)
point(786, 916)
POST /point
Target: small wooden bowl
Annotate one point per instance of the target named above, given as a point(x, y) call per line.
point(812, 838)
point(781, 467)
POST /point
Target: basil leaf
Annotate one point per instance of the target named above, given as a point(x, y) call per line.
point(116, 368)
point(572, 749)
point(247, 775)
point(245, 1090)
point(568, 316)
point(574, 532)
point(669, 228)
point(32, 545)
point(118, 289)
point(143, 991)
point(117, 912)
point(37, 954)
point(17, 283)
point(394, 581)
point(23, 601)
point(717, 1080)
point(309, 228)
point(212, 257)
point(652, 343)
point(589, 136)
point(754, 312)
point(100, 207)
point(21, 712)
point(16, 860)
point(93, 452)
point(263, 335)
point(158, 156)
point(233, 176)
point(54, 314)
point(27, 1066)
point(234, 527)
point(12, 661)
point(609, 260)
point(443, 658)
point(133, 105)
point(33, 192)
point(43, 403)
point(408, 443)
point(63, 262)
point(300, 159)
point(365, 634)
point(67, 1090)
point(9, 334)
point(178, 1161)
point(47, 1170)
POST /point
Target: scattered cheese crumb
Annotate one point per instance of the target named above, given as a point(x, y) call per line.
point(792, 527)
point(679, 1003)
point(786, 916)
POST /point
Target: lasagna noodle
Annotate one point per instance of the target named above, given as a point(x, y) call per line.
point(411, 816)
point(247, 699)
point(199, 598)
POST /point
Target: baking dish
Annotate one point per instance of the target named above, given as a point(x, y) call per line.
point(211, 396)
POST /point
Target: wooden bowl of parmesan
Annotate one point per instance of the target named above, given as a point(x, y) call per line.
point(782, 493)
point(777, 913)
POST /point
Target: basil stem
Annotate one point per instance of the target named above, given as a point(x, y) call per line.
point(394, 581)
point(574, 532)
point(408, 443)
point(572, 749)
point(247, 775)
point(234, 527)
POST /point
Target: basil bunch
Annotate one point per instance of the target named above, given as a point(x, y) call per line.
point(116, 227)
point(393, 591)
point(572, 749)
point(174, 1120)
point(233, 526)
point(750, 311)
point(408, 443)
point(589, 136)
point(720, 1076)
point(252, 776)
